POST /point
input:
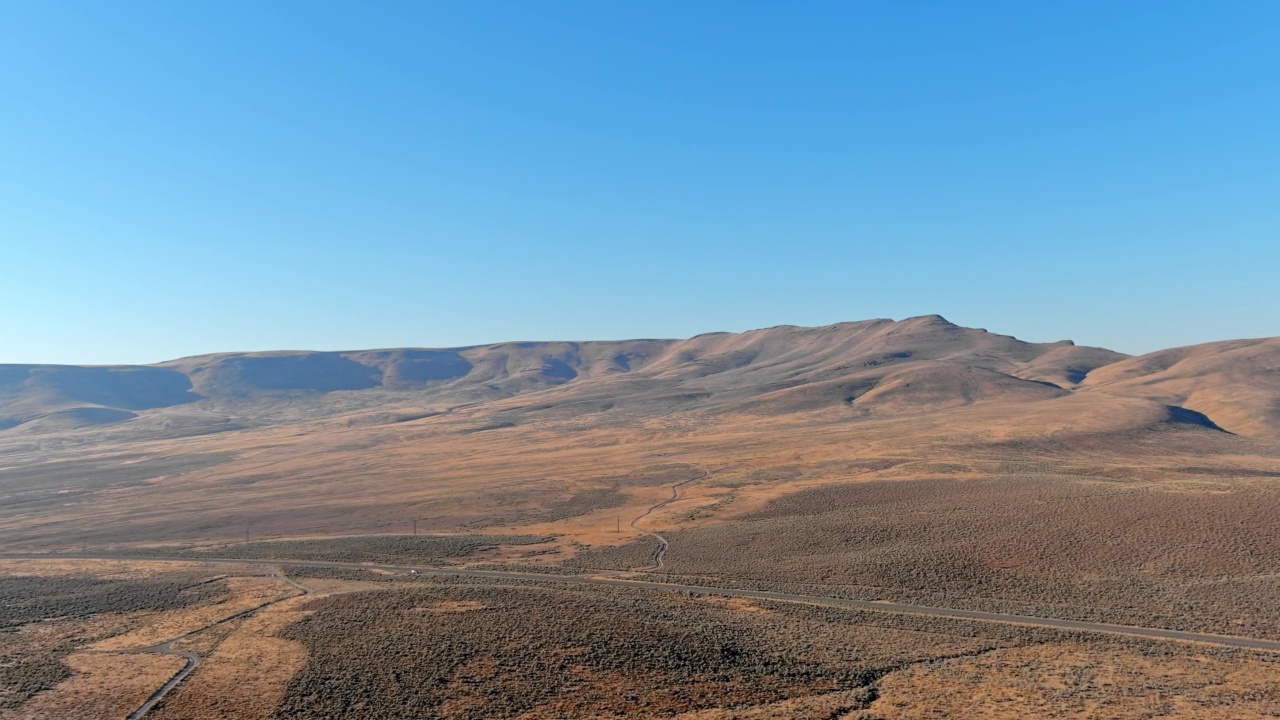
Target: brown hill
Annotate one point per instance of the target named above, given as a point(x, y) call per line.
point(876, 366)
point(913, 461)
point(562, 437)
point(31, 392)
point(1236, 383)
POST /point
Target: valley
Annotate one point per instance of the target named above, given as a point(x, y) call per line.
point(853, 511)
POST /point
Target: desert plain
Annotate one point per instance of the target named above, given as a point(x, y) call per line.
point(784, 523)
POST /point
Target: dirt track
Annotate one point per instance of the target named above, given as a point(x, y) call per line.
point(663, 545)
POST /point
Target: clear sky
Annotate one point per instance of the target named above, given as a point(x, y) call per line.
point(188, 177)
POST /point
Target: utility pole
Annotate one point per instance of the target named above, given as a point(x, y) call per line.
point(415, 527)
point(619, 528)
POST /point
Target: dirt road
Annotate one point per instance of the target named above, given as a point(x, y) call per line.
point(663, 545)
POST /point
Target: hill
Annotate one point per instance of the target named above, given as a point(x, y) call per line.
point(1236, 383)
point(568, 437)
point(911, 461)
point(872, 366)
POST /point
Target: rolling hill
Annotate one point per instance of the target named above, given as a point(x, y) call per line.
point(873, 366)
point(1236, 383)
point(562, 437)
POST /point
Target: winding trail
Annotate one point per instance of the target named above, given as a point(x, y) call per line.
point(663, 545)
point(193, 660)
point(870, 605)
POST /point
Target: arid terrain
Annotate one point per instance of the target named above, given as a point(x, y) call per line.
point(910, 463)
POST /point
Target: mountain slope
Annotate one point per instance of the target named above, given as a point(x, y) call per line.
point(911, 365)
point(30, 392)
point(567, 437)
point(1235, 383)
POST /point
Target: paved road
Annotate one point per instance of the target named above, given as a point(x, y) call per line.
point(193, 660)
point(663, 545)
point(873, 605)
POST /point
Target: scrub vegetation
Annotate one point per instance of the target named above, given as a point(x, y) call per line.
point(478, 650)
point(404, 549)
point(912, 460)
point(26, 599)
point(45, 618)
point(1055, 546)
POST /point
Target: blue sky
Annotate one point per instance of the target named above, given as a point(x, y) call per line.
point(180, 178)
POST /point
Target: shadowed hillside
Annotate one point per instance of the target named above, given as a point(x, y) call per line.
point(572, 438)
point(876, 366)
point(70, 396)
point(1234, 383)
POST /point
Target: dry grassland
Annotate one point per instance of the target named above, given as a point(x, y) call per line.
point(102, 685)
point(1051, 545)
point(247, 666)
point(243, 593)
point(47, 664)
point(32, 655)
point(473, 648)
point(935, 486)
point(244, 676)
point(1078, 682)
point(110, 569)
point(81, 666)
point(575, 477)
